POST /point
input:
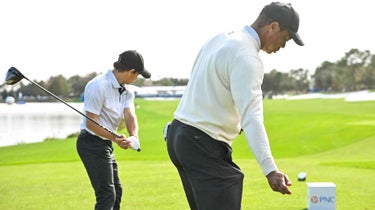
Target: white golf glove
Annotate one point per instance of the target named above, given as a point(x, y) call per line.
point(165, 130)
point(134, 143)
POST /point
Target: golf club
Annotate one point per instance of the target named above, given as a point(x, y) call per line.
point(14, 75)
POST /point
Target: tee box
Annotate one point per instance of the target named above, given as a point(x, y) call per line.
point(321, 196)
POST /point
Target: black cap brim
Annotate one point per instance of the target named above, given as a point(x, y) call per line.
point(297, 39)
point(146, 74)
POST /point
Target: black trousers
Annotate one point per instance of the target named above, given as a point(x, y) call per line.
point(211, 180)
point(99, 161)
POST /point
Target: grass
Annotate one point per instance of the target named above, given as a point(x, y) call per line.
point(330, 140)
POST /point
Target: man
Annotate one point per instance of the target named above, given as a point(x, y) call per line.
point(108, 100)
point(224, 96)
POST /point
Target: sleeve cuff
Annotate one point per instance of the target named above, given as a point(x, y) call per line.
point(268, 166)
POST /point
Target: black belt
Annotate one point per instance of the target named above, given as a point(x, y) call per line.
point(84, 131)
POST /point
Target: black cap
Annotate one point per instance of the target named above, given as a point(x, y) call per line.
point(286, 16)
point(133, 60)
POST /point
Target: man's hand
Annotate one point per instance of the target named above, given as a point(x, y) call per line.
point(134, 143)
point(122, 142)
point(279, 182)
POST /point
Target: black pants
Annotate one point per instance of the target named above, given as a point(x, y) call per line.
point(211, 180)
point(99, 161)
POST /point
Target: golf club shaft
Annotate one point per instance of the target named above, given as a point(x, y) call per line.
point(98, 124)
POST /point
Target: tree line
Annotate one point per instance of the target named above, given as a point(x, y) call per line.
point(354, 71)
point(70, 89)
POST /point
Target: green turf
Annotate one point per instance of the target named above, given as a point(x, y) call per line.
point(330, 140)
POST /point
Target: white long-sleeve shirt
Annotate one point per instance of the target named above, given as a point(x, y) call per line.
point(224, 93)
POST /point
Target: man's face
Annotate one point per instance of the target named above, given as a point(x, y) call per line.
point(130, 76)
point(276, 39)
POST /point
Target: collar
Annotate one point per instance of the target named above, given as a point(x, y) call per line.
point(113, 80)
point(253, 33)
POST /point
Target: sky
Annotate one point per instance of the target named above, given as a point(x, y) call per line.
point(44, 38)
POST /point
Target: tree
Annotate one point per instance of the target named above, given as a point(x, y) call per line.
point(139, 82)
point(272, 83)
point(32, 90)
point(164, 82)
point(355, 71)
point(300, 78)
point(353, 65)
point(77, 84)
point(59, 86)
point(324, 76)
point(4, 94)
point(369, 74)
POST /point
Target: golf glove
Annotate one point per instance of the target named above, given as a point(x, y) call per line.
point(134, 143)
point(165, 131)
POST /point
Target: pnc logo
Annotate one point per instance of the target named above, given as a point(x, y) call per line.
point(314, 199)
point(322, 199)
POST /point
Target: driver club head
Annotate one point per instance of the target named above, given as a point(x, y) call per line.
point(13, 76)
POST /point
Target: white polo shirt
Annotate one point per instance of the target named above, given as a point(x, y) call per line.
point(102, 97)
point(224, 93)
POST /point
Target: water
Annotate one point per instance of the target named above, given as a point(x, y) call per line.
point(34, 122)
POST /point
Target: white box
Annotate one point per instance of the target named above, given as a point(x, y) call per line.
point(321, 196)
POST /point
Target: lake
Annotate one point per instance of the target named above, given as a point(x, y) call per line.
point(34, 122)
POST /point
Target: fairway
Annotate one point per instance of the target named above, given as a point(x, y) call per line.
point(329, 139)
